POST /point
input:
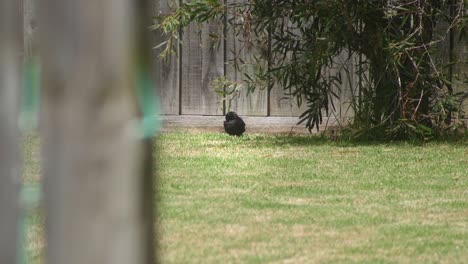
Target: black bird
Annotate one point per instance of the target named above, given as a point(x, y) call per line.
point(234, 125)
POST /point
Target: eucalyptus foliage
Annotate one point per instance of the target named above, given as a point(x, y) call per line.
point(405, 84)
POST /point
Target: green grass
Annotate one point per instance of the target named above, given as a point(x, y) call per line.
point(286, 199)
point(280, 199)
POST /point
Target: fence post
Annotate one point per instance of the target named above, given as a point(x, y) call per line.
point(10, 83)
point(96, 164)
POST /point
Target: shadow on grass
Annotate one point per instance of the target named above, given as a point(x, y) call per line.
point(260, 141)
point(319, 140)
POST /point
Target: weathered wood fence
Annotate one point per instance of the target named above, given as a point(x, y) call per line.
point(184, 79)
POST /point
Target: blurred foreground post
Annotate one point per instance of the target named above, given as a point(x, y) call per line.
point(10, 83)
point(96, 164)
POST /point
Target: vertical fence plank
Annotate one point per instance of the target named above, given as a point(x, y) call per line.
point(202, 61)
point(460, 53)
point(10, 82)
point(346, 91)
point(92, 150)
point(460, 71)
point(166, 70)
point(254, 104)
point(451, 48)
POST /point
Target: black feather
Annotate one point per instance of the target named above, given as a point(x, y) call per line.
point(234, 125)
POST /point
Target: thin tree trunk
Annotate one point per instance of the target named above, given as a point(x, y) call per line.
point(96, 166)
point(10, 83)
point(384, 102)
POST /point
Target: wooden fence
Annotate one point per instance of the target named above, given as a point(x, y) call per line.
point(184, 79)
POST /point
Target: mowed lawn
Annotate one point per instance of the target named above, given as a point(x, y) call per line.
point(280, 199)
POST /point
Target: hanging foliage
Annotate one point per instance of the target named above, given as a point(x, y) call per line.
point(394, 46)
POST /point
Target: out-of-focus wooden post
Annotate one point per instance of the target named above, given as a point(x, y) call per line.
point(10, 83)
point(30, 28)
point(96, 164)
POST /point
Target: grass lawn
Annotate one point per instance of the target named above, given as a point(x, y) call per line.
point(286, 199)
point(281, 199)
